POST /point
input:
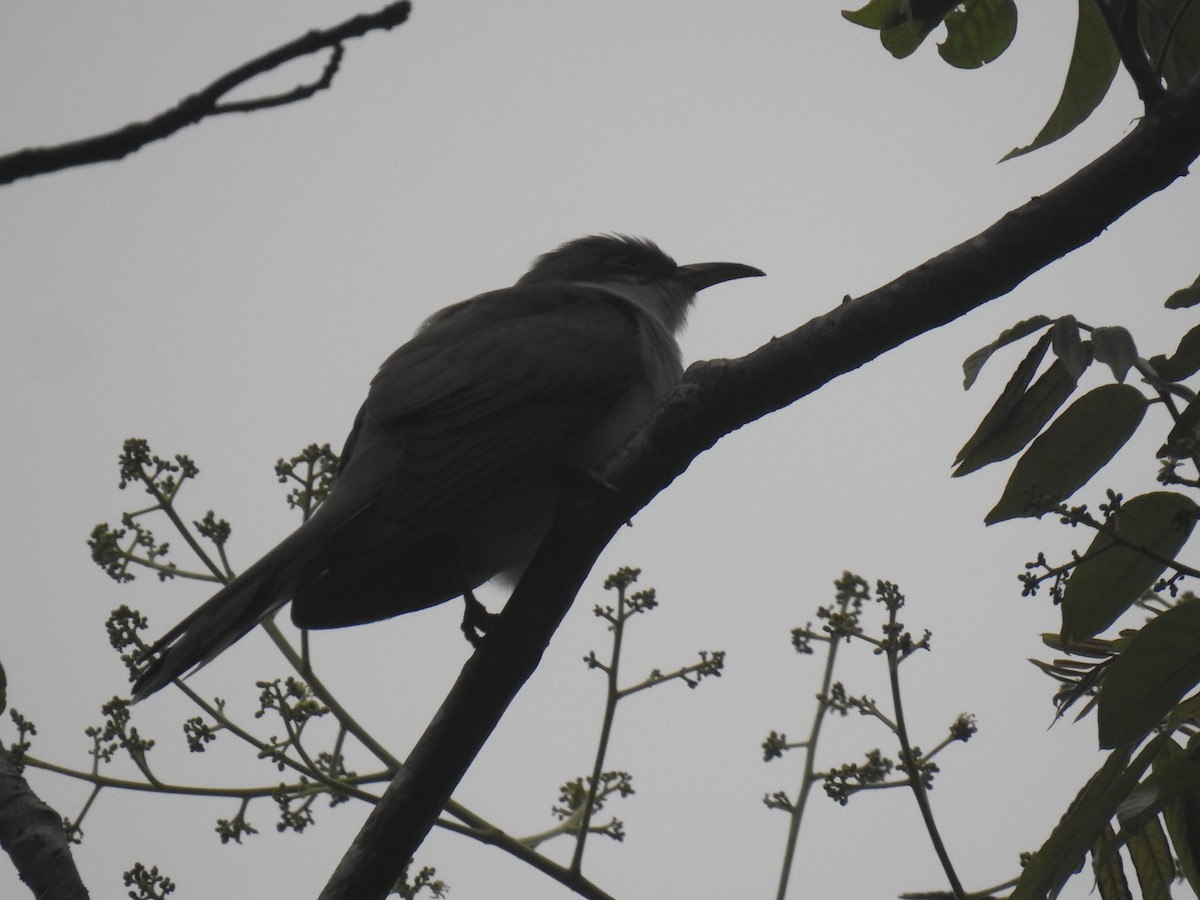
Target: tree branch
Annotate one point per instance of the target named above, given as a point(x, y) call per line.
point(32, 835)
point(718, 397)
point(120, 143)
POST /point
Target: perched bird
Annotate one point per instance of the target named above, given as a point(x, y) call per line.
point(452, 470)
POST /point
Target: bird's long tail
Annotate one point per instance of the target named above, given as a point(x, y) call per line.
point(225, 617)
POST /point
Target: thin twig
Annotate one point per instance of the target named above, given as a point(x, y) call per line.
point(612, 696)
point(809, 777)
point(912, 763)
point(124, 141)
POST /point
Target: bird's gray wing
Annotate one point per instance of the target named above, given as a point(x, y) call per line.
point(456, 455)
point(488, 389)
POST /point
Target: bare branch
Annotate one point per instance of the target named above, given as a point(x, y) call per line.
point(295, 95)
point(120, 143)
point(718, 397)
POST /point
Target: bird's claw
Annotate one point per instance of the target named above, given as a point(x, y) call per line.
point(477, 621)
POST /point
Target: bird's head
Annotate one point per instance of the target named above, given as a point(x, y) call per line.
point(636, 269)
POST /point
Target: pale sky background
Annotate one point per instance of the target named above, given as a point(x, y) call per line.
point(229, 293)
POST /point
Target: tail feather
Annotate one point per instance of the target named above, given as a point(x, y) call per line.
point(218, 623)
point(224, 618)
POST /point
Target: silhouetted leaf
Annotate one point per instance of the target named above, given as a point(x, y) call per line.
point(1160, 664)
point(1181, 809)
point(1023, 422)
point(878, 14)
point(1184, 297)
point(1070, 451)
point(1009, 397)
point(1061, 855)
point(1151, 857)
point(975, 361)
point(903, 39)
point(1184, 437)
point(1114, 346)
point(977, 32)
point(902, 24)
point(1094, 62)
point(1112, 575)
point(1068, 345)
point(1175, 25)
point(1107, 869)
point(1184, 363)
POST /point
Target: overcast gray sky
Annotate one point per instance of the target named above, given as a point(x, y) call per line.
point(229, 293)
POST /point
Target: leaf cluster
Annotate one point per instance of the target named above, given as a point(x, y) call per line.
point(1137, 681)
point(1157, 41)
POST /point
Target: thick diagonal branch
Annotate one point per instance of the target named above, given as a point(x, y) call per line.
point(120, 143)
point(718, 397)
point(32, 835)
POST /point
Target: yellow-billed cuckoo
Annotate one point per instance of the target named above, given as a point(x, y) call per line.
point(452, 470)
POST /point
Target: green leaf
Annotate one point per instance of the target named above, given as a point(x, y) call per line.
point(1151, 856)
point(1070, 451)
point(1159, 665)
point(1068, 346)
point(903, 24)
point(1009, 397)
point(1175, 26)
point(903, 39)
point(1184, 363)
point(1184, 297)
point(1114, 346)
point(1181, 811)
point(1085, 821)
point(1112, 575)
point(973, 363)
point(1107, 868)
point(878, 14)
point(977, 32)
point(1022, 423)
point(1093, 65)
point(1184, 438)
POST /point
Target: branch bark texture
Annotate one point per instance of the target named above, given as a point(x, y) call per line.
point(32, 835)
point(718, 397)
point(208, 102)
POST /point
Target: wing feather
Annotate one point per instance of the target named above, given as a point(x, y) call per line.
point(489, 389)
point(454, 459)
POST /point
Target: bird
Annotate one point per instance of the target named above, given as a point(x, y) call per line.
point(451, 472)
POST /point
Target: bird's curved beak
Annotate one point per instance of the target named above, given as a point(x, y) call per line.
point(697, 276)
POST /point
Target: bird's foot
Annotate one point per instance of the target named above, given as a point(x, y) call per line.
point(477, 621)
